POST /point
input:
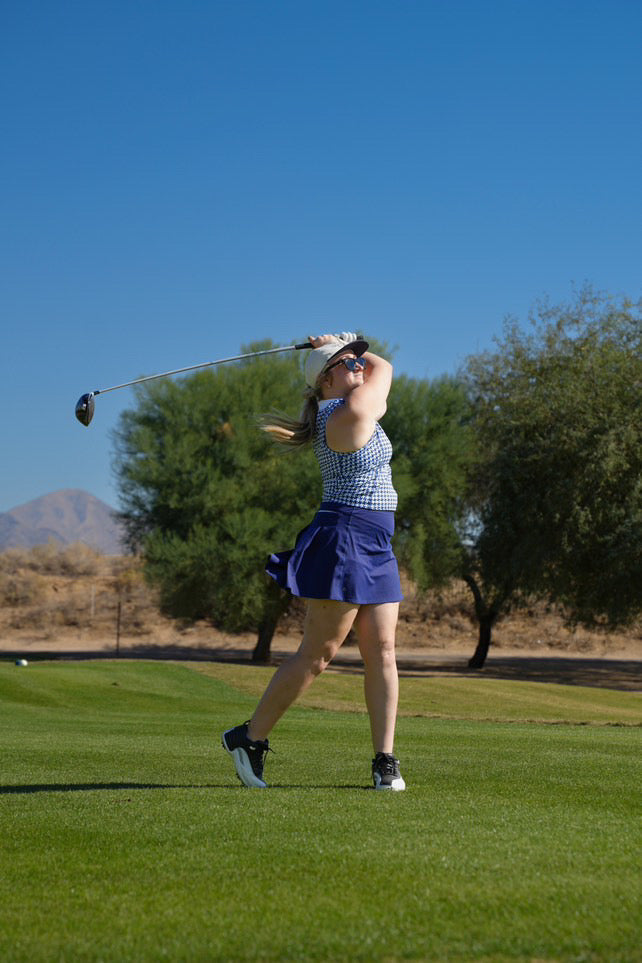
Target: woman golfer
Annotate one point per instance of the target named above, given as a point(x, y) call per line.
point(342, 563)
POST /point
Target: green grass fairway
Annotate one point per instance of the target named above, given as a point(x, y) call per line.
point(473, 698)
point(126, 836)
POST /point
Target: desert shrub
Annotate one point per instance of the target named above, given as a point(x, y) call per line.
point(19, 588)
point(47, 619)
point(68, 613)
point(34, 618)
point(46, 558)
point(14, 558)
point(450, 603)
point(79, 559)
point(52, 558)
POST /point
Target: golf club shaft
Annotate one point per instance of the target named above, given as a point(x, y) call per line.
point(205, 364)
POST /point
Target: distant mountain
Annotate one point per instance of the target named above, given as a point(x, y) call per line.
point(67, 516)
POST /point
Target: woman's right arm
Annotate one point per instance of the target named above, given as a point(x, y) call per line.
point(370, 399)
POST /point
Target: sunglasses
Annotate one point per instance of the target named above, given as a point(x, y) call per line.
point(352, 364)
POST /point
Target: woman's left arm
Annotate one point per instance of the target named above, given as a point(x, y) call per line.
point(351, 426)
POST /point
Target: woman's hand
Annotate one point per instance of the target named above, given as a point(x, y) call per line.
point(344, 337)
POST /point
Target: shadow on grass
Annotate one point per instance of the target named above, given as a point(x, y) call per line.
point(624, 675)
point(96, 786)
point(596, 672)
point(128, 786)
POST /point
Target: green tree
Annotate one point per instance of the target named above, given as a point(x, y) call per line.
point(557, 492)
point(206, 496)
point(428, 423)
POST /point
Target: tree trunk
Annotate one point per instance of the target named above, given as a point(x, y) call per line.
point(486, 613)
point(483, 645)
point(267, 629)
point(276, 604)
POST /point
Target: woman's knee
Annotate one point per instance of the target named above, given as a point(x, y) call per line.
point(319, 665)
point(379, 652)
point(317, 662)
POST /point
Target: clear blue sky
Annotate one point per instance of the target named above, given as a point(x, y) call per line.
point(181, 178)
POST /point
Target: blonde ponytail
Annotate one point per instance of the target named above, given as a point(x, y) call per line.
point(289, 431)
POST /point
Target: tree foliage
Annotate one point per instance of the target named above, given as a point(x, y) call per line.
point(428, 423)
point(557, 493)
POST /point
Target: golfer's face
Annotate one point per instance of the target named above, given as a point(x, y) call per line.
point(349, 370)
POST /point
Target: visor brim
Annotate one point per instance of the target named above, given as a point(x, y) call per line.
point(358, 347)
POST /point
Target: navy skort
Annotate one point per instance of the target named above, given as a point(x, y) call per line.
point(344, 554)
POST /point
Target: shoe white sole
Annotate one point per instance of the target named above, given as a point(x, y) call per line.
point(243, 768)
point(398, 785)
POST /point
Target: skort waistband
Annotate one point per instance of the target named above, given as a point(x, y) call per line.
point(351, 513)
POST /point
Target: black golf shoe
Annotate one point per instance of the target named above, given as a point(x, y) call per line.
point(248, 755)
point(386, 773)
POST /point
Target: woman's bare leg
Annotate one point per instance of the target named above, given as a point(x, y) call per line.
point(376, 627)
point(327, 624)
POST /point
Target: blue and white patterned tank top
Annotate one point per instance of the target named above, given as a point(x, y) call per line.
point(361, 478)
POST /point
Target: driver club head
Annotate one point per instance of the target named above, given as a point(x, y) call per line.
point(85, 409)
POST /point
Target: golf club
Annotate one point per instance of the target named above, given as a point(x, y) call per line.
point(85, 404)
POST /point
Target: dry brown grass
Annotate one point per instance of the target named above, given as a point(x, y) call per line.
point(69, 599)
point(52, 559)
point(46, 589)
point(19, 589)
point(447, 616)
